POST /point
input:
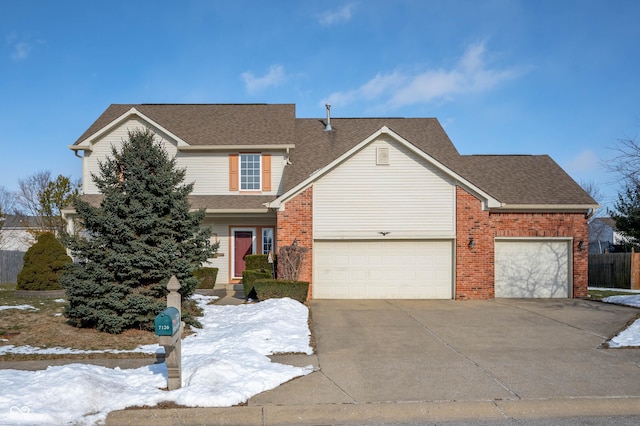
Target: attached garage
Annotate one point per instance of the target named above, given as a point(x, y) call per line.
point(533, 268)
point(383, 269)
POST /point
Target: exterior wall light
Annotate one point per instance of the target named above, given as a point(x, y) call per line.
point(472, 243)
point(580, 245)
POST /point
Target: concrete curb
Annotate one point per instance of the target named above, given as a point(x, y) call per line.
point(390, 412)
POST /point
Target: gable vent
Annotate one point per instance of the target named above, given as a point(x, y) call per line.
point(382, 156)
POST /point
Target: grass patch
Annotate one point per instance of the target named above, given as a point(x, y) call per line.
point(46, 327)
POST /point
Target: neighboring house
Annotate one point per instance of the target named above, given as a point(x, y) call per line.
point(15, 232)
point(603, 235)
point(388, 206)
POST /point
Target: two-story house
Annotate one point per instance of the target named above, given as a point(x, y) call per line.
point(387, 206)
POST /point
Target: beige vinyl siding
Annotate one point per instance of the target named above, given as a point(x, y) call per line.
point(209, 170)
point(408, 198)
point(101, 149)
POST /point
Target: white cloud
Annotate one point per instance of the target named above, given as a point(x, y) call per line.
point(20, 48)
point(585, 161)
point(332, 17)
point(469, 75)
point(274, 77)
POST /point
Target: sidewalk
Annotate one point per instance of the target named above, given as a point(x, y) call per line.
point(371, 413)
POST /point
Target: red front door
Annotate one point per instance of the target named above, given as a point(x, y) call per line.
point(243, 244)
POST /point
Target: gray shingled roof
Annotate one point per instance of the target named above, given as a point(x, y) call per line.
point(523, 179)
point(315, 147)
point(213, 124)
point(511, 179)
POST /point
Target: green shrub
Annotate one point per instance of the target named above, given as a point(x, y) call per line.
point(44, 263)
point(249, 276)
point(257, 262)
point(206, 277)
point(270, 289)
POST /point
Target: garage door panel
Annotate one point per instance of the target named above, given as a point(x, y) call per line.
point(382, 269)
point(538, 269)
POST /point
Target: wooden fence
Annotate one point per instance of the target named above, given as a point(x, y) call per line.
point(614, 270)
point(10, 265)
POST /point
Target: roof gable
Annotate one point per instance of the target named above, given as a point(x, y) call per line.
point(318, 173)
point(315, 147)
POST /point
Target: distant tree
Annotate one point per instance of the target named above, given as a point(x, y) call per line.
point(142, 233)
point(7, 207)
point(42, 199)
point(626, 210)
point(44, 263)
point(28, 196)
point(56, 195)
point(626, 214)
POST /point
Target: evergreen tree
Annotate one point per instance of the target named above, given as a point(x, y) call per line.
point(44, 263)
point(627, 214)
point(142, 234)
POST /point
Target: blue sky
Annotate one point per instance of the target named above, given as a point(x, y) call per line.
point(503, 76)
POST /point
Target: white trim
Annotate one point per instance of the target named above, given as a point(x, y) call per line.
point(233, 247)
point(533, 238)
point(487, 200)
point(88, 142)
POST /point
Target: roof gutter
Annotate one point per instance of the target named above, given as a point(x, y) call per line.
point(577, 208)
point(235, 147)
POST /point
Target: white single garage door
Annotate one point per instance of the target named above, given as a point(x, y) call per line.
point(532, 268)
point(382, 269)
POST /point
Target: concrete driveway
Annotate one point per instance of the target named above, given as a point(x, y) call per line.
point(395, 351)
point(402, 361)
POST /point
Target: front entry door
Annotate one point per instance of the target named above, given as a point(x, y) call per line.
point(243, 245)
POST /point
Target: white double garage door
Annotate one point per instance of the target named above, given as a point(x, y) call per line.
point(424, 269)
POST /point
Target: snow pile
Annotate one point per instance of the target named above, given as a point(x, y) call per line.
point(631, 335)
point(223, 364)
point(631, 300)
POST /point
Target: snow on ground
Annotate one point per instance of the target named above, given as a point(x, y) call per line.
point(21, 307)
point(223, 364)
point(631, 335)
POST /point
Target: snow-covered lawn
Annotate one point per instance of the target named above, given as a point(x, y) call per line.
point(223, 364)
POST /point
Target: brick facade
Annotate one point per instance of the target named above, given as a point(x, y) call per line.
point(475, 266)
point(296, 223)
point(475, 270)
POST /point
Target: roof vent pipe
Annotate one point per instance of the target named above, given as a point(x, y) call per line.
point(328, 126)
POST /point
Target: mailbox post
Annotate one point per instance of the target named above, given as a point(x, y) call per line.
point(169, 326)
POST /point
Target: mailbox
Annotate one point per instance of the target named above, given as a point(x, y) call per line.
point(167, 322)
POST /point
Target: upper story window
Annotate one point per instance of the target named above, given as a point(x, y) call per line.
point(250, 172)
